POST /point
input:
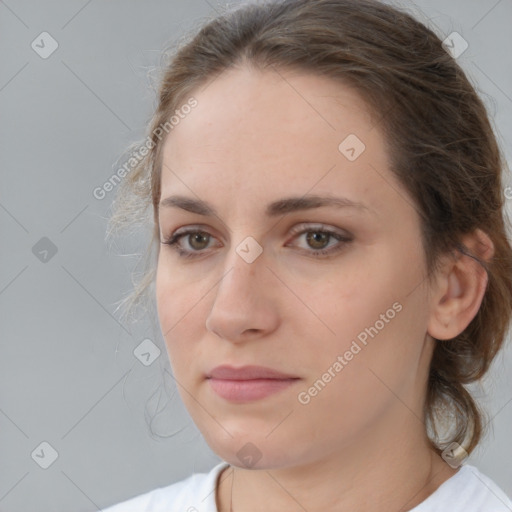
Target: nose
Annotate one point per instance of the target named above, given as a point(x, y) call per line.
point(244, 306)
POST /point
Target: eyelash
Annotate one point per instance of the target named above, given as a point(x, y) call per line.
point(173, 241)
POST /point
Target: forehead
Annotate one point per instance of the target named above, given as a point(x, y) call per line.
point(262, 135)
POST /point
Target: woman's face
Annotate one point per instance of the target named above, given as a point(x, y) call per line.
point(349, 324)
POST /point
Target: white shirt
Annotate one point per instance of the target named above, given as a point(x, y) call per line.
point(466, 491)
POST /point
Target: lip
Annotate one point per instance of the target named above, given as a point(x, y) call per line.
point(247, 373)
point(248, 382)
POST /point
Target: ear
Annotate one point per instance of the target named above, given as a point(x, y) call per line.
point(459, 288)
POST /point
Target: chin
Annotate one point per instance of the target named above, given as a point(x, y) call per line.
point(249, 451)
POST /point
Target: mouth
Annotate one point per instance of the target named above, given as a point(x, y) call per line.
point(248, 382)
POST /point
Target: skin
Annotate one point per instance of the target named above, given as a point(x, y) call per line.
point(360, 443)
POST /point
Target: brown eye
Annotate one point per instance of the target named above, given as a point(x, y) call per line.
point(199, 239)
point(196, 240)
point(318, 239)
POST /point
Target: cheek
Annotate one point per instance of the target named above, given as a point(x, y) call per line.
point(353, 382)
point(369, 316)
point(176, 294)
point(178, 307)
point(352, 300)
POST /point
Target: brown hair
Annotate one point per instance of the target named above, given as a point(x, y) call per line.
point(440, 141)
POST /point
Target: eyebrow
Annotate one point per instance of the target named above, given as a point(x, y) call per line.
point(274, 209)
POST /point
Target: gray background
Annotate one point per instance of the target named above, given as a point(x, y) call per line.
point(68, 375)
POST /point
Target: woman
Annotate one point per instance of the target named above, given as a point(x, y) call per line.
point(332, 262)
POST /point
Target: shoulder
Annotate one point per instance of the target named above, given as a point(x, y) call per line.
point(193, 494)
point(468, 490)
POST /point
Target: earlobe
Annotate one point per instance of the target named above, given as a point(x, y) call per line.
point(460, 289)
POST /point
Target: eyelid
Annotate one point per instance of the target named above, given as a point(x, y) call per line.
point(342, 237)
point(318, 226)
point(189, 228)
point(297, 229)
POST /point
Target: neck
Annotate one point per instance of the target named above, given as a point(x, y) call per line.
point(386, 471)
